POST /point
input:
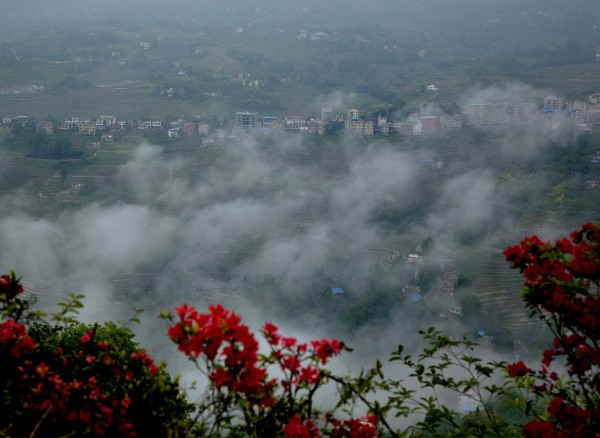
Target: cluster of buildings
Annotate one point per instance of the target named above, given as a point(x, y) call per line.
point(107, 126)
point(431, 118)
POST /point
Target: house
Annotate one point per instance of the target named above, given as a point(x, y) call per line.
point(203, 128)
point(432, 88)
point(417, 128)
point(107, 137)
point(145, 45)
point(455, 308)
point(108, 120)
point(270, 122)
point(173, 132)
point(451, 122)
point(594, 98)
point(47, 127)
point(87, 128)
point(429, 124)
point(414, 258)
point(294, 122)
point(190, 129)
point(337, 291)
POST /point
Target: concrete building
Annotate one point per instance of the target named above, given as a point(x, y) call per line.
point(87, 128)
point(594, 98)
point(245, 120)
point(554, 103)
point(327, 114)
point(429, 124)
point(203, 128)
point(294, 122)
point(271, 122)
point(451, 122)
point(46, 126)
point(353, 113)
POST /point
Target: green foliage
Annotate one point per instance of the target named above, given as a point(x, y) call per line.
point(79, 379)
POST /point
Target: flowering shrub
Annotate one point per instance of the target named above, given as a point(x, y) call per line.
point(243, 397)
point(79, 379)
point(562, 288)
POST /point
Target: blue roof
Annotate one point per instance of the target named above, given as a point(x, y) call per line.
point(354, 119)
point(270, 118)
point(426, 161)
point(415, 298)
point(337, 291)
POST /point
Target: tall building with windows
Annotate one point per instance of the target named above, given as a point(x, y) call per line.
point(245, 120)
point(327, 114)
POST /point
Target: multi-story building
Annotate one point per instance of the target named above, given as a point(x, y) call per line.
point(203, 128)
point(327, 114)
point(87, 128)
point(357, 127)
point(271, 122)
point(429, 124)
point(46, 126)
point(294, 122)
point(190, 128)
point(554, 103)
point(451, 122)
point(245, 120)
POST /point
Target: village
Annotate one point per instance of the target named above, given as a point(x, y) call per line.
point(554, 113)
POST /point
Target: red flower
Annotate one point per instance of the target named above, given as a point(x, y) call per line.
point(518, 369)
point(295, 428)
point(86, 337)
point(541, 429)
point(325, 349)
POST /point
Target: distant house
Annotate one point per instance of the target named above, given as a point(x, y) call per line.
point(46, 126)
point(455, 309)
point(87, 128)
point(594, 98)
point(191, 129)
point(203, 128)
point(432, 88)
point(337, 291)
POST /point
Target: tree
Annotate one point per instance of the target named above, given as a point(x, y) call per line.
point(563, 290)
